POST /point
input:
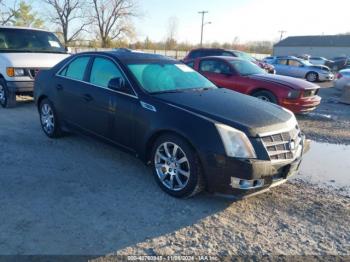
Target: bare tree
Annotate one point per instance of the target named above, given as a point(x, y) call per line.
point(7, 13)
point(172, 33)
point(65, 11)
point(112, 18)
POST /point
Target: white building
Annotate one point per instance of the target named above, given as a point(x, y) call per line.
point(328, 46)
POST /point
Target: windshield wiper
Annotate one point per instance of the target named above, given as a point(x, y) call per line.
point(168, 91)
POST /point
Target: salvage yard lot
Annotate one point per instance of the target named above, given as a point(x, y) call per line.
point(76, 195)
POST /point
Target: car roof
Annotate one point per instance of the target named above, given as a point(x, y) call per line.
point(215, 49)
point(24, 28)
point(130, 56)
point(227, 58)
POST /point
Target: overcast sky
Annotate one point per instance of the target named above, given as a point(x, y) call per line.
point(246, 19)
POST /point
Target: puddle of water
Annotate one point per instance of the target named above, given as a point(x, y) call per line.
point(327, 164)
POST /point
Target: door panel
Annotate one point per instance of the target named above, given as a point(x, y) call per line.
point(69, 86)
point(108, 113)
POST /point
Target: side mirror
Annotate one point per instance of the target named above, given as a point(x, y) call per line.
point(116, 84)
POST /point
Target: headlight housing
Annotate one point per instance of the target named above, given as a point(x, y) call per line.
point(294, 94)
point(15, 72)
point(236, 143)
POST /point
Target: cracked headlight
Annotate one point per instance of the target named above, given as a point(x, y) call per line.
point(236, 143)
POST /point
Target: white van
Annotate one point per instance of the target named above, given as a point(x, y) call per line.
point(23, 53)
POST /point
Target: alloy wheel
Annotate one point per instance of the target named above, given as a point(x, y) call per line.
point(312, 77)
point(172, 166)
point(47, 118)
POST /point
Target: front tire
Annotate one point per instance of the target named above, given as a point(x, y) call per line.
point(7, 97)
point(265, 96)
point(48, 119)
point(312, 77)
point(176, 167)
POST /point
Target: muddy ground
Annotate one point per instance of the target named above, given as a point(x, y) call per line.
point(330, 122)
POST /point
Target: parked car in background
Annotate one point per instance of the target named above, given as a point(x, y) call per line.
point(269, 59)
point(304, 57)
point(23, 53)
point(342, 79)
point(245, 77)
point(340, 63)
point(203, 52)
point(193, 134)
point(318, 60)
point(295, 67)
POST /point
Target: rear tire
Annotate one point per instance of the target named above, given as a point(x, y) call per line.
point(176, 167)
point(7, 97)
point(312, 77)
point(266, 96)
point(49, 120)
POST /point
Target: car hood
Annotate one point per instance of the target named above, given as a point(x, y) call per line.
point(291, 82)
point(320, 68)
point(32, 60)
point(248, 114)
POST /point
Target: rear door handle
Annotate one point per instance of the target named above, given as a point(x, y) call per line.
point(59, 87)
point(88, 98)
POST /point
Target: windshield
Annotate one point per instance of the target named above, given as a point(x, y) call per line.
point(24, 40)
point(246, 68)
point(162, 78)
point(245, 56)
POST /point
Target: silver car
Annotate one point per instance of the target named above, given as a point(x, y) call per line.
point(343, 79)
point(295, 67)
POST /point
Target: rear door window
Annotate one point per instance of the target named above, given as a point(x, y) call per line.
point(294, 63)
point(282, 61)
point(76, 69)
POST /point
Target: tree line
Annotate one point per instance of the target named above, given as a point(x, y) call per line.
point(109, 21)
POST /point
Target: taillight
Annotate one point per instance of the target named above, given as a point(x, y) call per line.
point(339, 75)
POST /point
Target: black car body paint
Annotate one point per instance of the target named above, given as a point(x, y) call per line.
point(133, 119)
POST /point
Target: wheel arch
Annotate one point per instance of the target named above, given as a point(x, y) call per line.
point(40, 99)
point(153, 138)
point(258, 89)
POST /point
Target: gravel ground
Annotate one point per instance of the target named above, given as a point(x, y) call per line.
point(77, 196)
point(294, 219)
point(330, 122)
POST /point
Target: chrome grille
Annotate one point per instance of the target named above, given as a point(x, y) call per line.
point(282, 146)
point(33, 72)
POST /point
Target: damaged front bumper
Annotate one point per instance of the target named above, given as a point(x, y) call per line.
point(244, 178)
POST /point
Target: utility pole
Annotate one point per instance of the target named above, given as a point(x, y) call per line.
point(202, 28)
point(282, 32)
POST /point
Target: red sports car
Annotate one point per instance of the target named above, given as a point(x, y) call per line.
point(245, 77)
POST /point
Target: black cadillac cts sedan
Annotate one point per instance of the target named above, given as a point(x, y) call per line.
point(193, 135)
